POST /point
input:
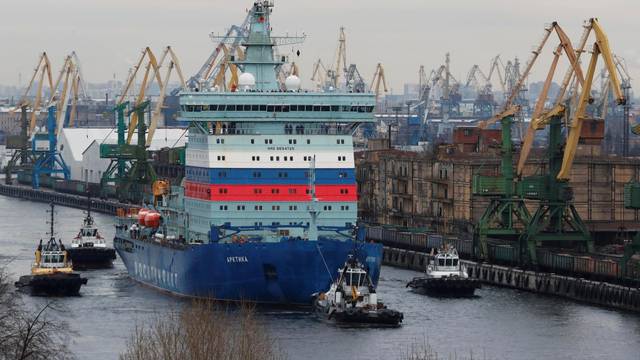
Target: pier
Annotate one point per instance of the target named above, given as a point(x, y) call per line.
point(76, 201)
point(578, 289)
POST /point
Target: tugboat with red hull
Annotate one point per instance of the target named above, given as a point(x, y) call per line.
point(52, 273)
point(89, 249)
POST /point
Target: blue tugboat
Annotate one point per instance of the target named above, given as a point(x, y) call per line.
point(268, 207)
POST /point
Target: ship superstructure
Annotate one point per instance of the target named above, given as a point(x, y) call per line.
point(269, 189)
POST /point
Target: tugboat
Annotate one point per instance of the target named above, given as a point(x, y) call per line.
point(88, 249)
point(352, 300)
point(52, 273)
point(445, 277)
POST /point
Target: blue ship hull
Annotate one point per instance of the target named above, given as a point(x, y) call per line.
point(288, 272)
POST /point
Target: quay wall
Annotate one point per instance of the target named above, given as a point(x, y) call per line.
point(103, 206)
point(578, 289)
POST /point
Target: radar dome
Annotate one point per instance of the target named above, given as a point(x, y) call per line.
point(246, 81)
point(292, 83)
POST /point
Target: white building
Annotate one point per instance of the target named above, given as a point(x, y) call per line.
point(80, 148)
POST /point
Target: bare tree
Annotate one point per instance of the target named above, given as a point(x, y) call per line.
point(25, 335)
point(202, 331)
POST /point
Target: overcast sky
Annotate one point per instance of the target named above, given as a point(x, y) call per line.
point(402, 34)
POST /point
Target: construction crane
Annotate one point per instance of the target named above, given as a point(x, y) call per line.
point(68, 89)
point(340, 69)
point(129, 169)
point(377, 80)
point(319, 74)
point(484, 103)
point(42, 70)
point(495, 68)
point(22, 144)
point(507, 216)
point(226, 44)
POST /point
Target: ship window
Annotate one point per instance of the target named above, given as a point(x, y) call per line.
point(455, 262)
point(271, 158)
point(231, 108)
point(257, 191)
point(252, 141)
point(263, 107)
point(255, 107)
point(293, 107)
point(277, 108)
point(292, 191)
point(197, 108)
point(440, 262)
point(285, 108)
point(369, 108)
point(448, 261)
point(257, 207)
point(247, 107)
point(277, 158)
point(325, 108)
point(222, 107)
point(346, 108)
point(285, 158)
point(189, 107)
point(270, 108)
point(335, 108)
point(308, 141)
point(308, 107)
point(317, 107)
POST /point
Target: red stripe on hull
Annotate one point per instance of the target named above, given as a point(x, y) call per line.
point(269, 192)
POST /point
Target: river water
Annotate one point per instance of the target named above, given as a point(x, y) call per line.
point(498, 324)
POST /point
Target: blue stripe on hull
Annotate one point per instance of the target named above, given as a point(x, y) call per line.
point(287, 272)
point(268, 176)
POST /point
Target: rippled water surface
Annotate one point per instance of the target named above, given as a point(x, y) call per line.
point(498, 324)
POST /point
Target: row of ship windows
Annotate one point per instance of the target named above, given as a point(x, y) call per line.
point(277, 207)
point(257, 157)
point(291, 141)
point(277, 108)
point(258, 174)
point(277, 191)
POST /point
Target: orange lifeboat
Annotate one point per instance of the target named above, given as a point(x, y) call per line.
point(152, 219)
point(141, 216)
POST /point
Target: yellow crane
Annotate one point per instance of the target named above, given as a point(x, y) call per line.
point(600, 49)
point(42, 70)
point(378, 78)
point(152, 70)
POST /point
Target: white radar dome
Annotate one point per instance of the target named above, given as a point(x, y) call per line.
point(292, 83)
point(246, 81)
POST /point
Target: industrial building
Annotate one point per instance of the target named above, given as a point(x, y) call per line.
point(80, 148)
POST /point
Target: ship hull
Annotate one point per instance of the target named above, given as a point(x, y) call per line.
point(52, 285)
point(92, 257)
point(286, 273)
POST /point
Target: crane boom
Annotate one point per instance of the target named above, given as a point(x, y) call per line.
point(600, 48)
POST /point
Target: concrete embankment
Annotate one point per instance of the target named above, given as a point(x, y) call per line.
point(76, 201)
point(592, 292)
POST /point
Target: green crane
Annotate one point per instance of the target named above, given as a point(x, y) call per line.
point(556, 219)
point(506, 216)
point(130, 170)
point(631, 201)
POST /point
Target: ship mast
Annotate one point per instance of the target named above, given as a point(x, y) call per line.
point(313, 208)
point(51, 222)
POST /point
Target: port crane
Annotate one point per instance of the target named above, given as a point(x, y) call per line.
point(129, 169)
point(377, 80)
point(484, 103)
point(556, 221)
point(507, 215)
